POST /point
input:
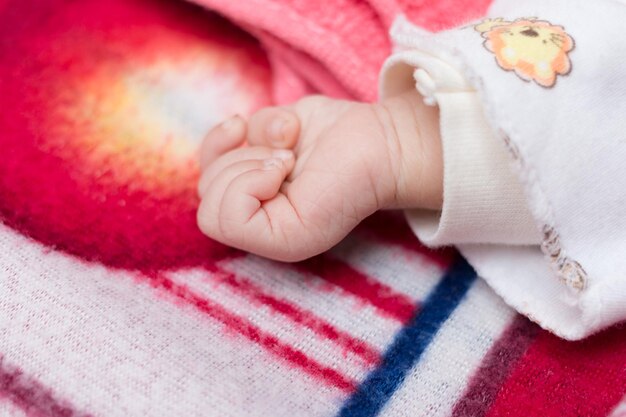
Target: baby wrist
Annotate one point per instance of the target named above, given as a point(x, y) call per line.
point(415, 146)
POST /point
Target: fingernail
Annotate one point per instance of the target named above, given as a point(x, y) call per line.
point(277, 131)
point(232, 126)
point(272, 163)
point(283, 154)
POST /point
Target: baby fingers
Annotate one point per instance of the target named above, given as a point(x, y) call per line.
point(237, 155)
point(235, 195)
point(278, 127)
point(222, 138)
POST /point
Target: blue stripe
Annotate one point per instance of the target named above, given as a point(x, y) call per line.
point(407, 348)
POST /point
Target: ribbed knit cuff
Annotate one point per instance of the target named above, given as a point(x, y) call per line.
point(483, 199)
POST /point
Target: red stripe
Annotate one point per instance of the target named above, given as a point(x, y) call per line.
point(269, 342)
point(391, 227)
point(389, 302)
point(303, 317)
point(31, 396)
point(557, 378)
point(496, 367)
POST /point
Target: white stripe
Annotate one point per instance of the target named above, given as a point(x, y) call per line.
point(405, 271)
point(344, 311)
point(620, 410)
point(301, 338)
point(110, 346)
point(8, 409)
point(440, 377)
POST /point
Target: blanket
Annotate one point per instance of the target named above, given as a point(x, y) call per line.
point(113, 304)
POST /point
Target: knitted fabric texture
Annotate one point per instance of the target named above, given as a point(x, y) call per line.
point(112, 302)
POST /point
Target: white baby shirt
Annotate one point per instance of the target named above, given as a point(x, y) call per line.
point(532, 102)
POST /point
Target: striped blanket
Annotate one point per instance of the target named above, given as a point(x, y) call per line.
point(113, 304)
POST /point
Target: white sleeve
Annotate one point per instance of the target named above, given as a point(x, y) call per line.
point(483, 199)
point(533, 123)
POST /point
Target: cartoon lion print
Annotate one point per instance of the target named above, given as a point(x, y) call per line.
point(534, 49)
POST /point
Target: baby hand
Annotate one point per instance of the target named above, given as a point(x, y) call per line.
point(312, 171)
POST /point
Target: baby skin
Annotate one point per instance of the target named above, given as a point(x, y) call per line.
point(291, 182)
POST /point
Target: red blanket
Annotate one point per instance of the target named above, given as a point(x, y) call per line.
point(112, 302)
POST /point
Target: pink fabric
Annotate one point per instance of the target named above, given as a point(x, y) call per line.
point(334, 48)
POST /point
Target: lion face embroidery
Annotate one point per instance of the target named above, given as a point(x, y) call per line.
point(534, 49)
